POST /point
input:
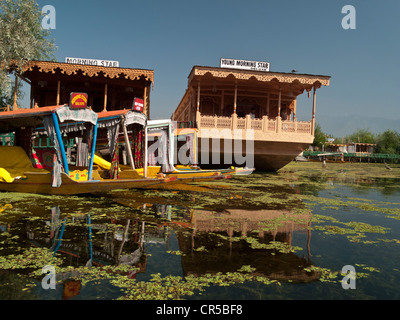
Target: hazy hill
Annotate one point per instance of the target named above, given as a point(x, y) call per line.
point(341, 126)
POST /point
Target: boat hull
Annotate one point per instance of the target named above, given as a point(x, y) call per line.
point(179, 180)
point(40, 183)
point(264, 156)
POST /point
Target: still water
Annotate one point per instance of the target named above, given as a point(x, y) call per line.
point(265, 236)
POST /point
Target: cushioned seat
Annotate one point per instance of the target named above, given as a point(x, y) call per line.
point(14, 162)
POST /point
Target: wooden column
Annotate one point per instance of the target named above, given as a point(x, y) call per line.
point(192, 105)
point(268, 99)
point(15, 106)
point(235, 100)
point(313, 112)
point(145, 111)
point(221, 108)
point(198, 96)
point(113, 100)
point(198, 115)
point(31, 97)
point(105, 97)
point(278, 118)
point(90, 101)
point(294, 109)
point(58, 92)
point(279, 102)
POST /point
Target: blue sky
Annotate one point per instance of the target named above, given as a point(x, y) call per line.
point(170, 37)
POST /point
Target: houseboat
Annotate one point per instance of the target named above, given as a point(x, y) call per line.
point(108, 88)
point(248, 117)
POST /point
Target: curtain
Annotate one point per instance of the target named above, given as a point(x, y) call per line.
point(82, 152)
point(112, 135)
point(163, 153)
point(190, 144)
point(57, 166)
point(114, 169)
point(137, 146)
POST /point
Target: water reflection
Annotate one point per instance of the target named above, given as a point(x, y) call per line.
point(259, 222)
point(225, 242)
point(105, 242)
point(208, 241)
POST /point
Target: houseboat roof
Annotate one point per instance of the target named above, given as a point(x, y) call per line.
point(306, 80)
point(13, 120)
point(52, 67)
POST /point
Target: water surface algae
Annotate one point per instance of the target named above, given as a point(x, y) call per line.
point(298, 189)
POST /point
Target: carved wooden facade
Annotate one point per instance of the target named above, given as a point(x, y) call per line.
point(223, 92)
point(108, 88)
point(221, 101)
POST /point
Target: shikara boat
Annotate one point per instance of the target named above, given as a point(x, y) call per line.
point(186, 139)
point(57, 169)
point(181, 149)
point(128, 130)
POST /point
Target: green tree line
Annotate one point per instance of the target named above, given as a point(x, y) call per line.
point(385, 142)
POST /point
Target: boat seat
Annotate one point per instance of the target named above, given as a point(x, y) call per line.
point(14, 162)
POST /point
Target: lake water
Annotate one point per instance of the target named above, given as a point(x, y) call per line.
point(284, 235)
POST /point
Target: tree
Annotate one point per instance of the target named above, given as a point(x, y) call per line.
point(388, 142)
point(362, 136)
point(22, 39)
point(7, 99)
point(319, 137)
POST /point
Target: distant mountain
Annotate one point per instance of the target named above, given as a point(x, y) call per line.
point(342, 126)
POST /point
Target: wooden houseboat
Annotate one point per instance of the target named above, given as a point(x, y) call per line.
point(108, 88)
point(252, 110)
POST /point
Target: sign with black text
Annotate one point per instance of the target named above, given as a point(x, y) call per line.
point(244, 64)
point(92, 62)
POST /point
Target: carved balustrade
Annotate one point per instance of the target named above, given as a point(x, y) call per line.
point(264, 124)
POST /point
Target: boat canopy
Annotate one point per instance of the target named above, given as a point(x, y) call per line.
point(112, 122)
point(13, 120)
point(111, 118)
point(161, 151)
point(53, 121)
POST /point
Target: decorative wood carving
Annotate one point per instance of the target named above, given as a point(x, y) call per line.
point(303, 79)
point(91, 71)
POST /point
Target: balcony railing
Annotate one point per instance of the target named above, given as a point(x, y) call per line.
point(264, 124)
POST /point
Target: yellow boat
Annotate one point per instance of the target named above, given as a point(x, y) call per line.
point(182, 149)
point(53, 172)
point(154, 137)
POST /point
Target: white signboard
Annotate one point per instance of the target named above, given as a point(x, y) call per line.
point(244, 64)
point(92, 62)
